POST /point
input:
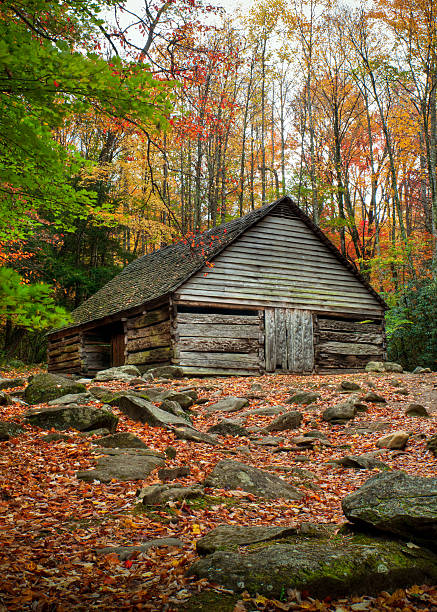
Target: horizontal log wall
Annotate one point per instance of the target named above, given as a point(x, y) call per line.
point(96, 352)
point(64, 355)
point(280, 262)
point(218, 343)
point(148, 340)
point(347, 344)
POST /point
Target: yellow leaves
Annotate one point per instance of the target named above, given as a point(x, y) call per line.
point(195, 528)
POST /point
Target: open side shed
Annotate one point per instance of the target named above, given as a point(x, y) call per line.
point(263, 293)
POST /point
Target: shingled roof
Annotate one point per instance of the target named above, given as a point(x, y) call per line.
point(160, 273)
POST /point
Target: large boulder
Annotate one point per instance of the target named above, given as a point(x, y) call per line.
point(323, 567)
point(166, 372)
point(229, 474)
point(340, 413)
point(289, 420)
point(139, 409)
point(398, 504)
point(123, 373)
point(82, 418)
point(122, 465)
point(45, 387)
point(228, 404)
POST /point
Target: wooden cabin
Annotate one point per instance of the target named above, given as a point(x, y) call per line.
point(267, 292)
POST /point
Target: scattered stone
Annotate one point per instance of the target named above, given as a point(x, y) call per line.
point(193, 435)
point(229, 474)
point(228, 404)
point(266, 410)
point(289, 420)
point(55, 437)
point(45, 387)
point(395, 441)
point(84, 381)
point(268, 441)
point(396, 503)
point(8, 430)
point(349, 385)
point(101, 393)
point(303, 397)
point(231, 537)
point(9, 383)
point(431, 444)
point(166, 372)
point(368, 427)
point(256, 387)
point(165, 474)
point(366, 461)
point(228, 428)
point(315, 434)
point(123, 373)
point(5, 399)
point(319, 565)
point(374, 398)
point(125, 552)
point(102, 431)
point(340, 413)
point(303, 442)
point(158, 495)
point(123, 465)
point(121, 440)
point(139, 409)
point(170, 452)
point(82, 418)
point(71, 398)
point(416, 410)
point(185, 400)
point(174, 408)
point(420, 370)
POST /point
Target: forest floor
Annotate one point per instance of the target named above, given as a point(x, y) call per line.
point(52, 523)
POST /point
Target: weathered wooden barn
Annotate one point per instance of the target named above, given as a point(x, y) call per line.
point(267, 292)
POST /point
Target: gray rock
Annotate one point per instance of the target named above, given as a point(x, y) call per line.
point(268, 441)
point(170, 452)
point(395, 441)
point(45, 387)
point(289, 420)
point(55, 437)
point(9, 383)
point(267, 410)
point(340, 413)
point(228, 428)
point(374, 398)
point(349, 385)
point(72, 398)
point(9, 429)
point(125, 552)
point(193, 435)
point(82, 418)
point(174, 408)
point(158, 495)
point(231, 537)
point(100, 392)
point(431, 444)
point(375, 366)
point(256, 387)
point(102, 431)
point(122, 465)
point(229, 474)
point(396, 503)
point(303, 397)
point(185, 400)
point(390, 366)
point(320, 566)
point(228, 404)
point(416, 410)
point(122, 373)
point(366, 461)
point(139, 409)
point(368, 427)
point(121, 440)
point(166, 372)
point(84, 381)
point(420, 370)
point(165, 474)
point(319, 435)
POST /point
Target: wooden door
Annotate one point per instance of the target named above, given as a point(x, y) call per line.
point(289, 344)
point(117, 349)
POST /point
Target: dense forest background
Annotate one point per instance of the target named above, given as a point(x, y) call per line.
point(126, 126)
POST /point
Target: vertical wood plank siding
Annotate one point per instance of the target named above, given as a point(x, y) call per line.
point(280, 262)
point(289, 340)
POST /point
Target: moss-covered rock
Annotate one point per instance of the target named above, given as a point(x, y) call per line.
point(82, 418)
point(45, 387)
point(322, 566)
point(8, 429)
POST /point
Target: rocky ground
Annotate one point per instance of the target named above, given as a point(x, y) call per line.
point(108, 491)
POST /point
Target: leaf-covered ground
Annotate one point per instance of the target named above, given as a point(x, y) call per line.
point(51, 523)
